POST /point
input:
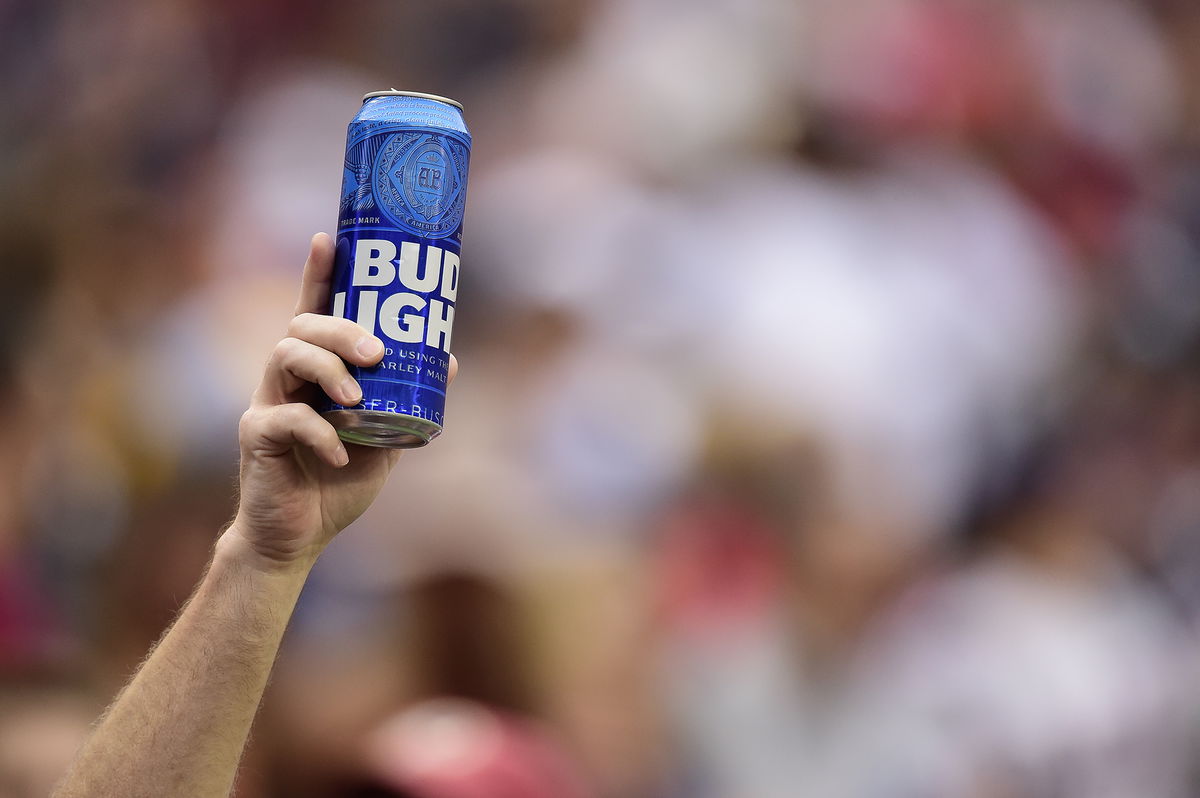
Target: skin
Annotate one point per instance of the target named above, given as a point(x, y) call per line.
point(179, 727)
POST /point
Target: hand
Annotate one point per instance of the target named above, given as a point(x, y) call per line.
point(300, 484)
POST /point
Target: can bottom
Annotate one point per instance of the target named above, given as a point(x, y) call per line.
point(385, 430)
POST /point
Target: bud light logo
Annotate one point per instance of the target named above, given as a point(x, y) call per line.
point(420, 182)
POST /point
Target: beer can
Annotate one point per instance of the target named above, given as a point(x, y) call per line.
point(399, 239)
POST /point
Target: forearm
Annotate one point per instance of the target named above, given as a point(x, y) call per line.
point(179, 727)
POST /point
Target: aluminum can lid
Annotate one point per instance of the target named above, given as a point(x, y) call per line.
point(395, 93)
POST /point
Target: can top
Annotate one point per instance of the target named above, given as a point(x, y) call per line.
point(395, 93)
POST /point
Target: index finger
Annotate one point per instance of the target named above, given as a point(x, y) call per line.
point(318, 274)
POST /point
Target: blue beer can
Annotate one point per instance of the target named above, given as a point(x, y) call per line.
point(399, 238)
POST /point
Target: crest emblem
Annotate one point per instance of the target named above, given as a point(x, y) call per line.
point(420, 182)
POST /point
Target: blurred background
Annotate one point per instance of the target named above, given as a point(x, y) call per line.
point(829, 420)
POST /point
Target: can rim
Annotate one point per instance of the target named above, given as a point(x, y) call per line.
point(422, 95)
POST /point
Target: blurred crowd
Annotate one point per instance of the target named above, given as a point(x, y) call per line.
point(829, 415)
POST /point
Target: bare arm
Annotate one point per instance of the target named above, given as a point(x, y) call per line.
point(179, 727)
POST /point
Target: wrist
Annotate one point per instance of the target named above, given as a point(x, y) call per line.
point(236, 547)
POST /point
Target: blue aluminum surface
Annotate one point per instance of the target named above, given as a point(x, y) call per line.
point(398, 243)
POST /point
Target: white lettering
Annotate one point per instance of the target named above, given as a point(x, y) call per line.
point(441, 320)
point(373, 262)
point(410, 277)
point(399, 317)
point(407, 330)
point(450, 277)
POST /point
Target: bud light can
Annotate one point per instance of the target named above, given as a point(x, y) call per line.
point(396, 266)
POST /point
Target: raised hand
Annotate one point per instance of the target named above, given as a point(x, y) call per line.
point(300, 484)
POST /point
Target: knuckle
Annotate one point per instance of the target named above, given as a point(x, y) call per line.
point(299, 324)
point(287, 350)
point(248, 421)
point(297, 416)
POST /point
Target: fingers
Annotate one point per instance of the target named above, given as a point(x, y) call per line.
point(318, 274)
point(295, 363)
point(340, 336)
point(273, 431)
point(313, 352)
